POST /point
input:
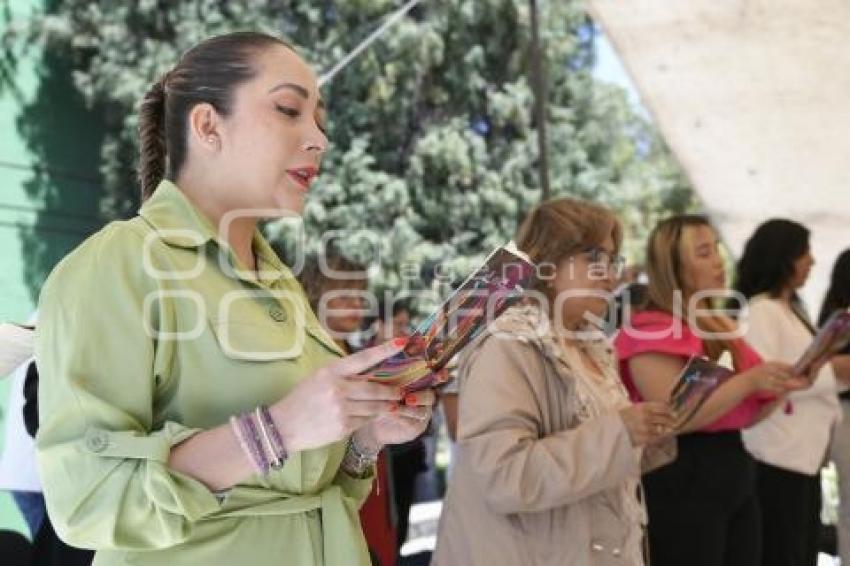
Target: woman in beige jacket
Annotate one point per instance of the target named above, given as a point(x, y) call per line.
point(549, 453)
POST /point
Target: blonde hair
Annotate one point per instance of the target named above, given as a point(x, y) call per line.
point(666, 270)
point(559, 228)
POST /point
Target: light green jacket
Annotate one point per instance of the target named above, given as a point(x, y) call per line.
point(145, 338)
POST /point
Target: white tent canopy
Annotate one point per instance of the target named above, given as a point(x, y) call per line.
point(753, 97)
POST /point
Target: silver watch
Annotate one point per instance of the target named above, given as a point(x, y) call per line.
point(358, 462)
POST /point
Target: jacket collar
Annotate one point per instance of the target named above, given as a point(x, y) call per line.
point(527, 323)
point(180, 224)
point(176, 221)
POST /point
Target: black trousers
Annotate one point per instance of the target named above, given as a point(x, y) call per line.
point(790, 513)
point(406, 462)
point(703, 508)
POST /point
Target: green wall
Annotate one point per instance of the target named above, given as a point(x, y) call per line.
point(49, 188)
point(15, 301)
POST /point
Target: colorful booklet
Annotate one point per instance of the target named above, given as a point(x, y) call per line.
point(698, 380)
point(486, 294)
point(833, 337)
point(701, 376)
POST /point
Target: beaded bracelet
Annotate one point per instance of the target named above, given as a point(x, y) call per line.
point(271, 437)
point(249, 439)
point(260, 440)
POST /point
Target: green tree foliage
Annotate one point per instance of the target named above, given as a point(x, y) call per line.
point(434, 155)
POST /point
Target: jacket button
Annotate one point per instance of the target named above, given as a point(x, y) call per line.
point(97, 441)
point(277, 313)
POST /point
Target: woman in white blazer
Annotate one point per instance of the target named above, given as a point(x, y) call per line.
point(790, 446)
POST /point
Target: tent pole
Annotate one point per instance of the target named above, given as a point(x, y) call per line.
point(538, 81)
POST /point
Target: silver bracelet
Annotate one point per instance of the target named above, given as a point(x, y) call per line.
point(358, 462)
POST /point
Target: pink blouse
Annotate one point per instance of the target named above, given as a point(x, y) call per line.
point(659, 332)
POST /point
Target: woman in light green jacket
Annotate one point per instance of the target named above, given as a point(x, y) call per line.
point(158, 331)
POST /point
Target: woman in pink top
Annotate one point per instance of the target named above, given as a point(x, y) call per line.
point(702, 508)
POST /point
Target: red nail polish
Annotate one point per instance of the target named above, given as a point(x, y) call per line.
point(410, 399)
point(400, 342)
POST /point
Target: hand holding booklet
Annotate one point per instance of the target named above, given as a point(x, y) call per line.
point(701, 376)
point(833, 337)
point(695, 384)
point(485, 295)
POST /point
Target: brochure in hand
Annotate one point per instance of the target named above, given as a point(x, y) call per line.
point(486, 294)
point(698, 380)
point(701, 377)
point(830, 340)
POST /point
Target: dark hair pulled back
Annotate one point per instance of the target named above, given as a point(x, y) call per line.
point(207, 73)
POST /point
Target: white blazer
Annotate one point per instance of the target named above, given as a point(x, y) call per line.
point(795, 440)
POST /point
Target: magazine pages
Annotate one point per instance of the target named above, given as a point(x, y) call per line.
point(833, 337)
point(698, 380)
point(486, 294)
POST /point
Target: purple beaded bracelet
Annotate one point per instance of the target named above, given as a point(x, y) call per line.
point(249, 439)
point(271, 435)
